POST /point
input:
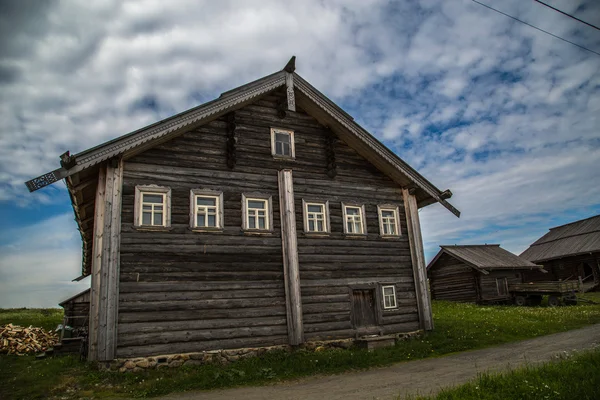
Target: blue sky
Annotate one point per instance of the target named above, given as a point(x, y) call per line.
point(503, 115)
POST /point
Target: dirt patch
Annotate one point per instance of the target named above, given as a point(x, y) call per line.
point(423, 377)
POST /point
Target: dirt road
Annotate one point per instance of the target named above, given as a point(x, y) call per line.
point(423, 377)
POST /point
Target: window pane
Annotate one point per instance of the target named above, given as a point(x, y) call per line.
point(311, 225)
point(349, 227)
point(392, 229)
point(252, 223)
point(158, 218)
point(387, 213)
point(152, 198)
point(261, 222)
point(286, 149)
point(206, 201)
point(357, 227)
point(279, 148)
point(282, 138)
point(316, 209)
point(212, 220)
point(388, 291)
point(352, 211)
point(320, 226)
point(256, 204)
point(146, 218)
point(200, 220)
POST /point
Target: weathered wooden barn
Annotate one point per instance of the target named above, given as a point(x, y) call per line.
point(267, 216)
point(77, 310)
point(476, 273)
point(569, 252)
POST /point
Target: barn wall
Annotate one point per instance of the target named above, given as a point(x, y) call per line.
point(489, 288)
point(188, 291)
point(77, 311)
point(566, 268)
point(451, 279)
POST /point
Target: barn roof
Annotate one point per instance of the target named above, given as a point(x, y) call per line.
point(579, 237)
point(485, 257)
point(80, 294)
point(80, 171)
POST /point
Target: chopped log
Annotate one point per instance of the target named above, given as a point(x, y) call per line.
point(18, 340)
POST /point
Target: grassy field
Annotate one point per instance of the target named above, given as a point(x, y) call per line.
point(577, 377)
point(458, 327)
point(47, 318)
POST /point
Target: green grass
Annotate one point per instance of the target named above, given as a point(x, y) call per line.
point(47, 318)
point(458, 327)
point(577, 377)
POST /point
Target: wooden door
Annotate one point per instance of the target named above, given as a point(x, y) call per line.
point(363, 308)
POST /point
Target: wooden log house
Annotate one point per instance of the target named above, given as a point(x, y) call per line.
point(267, 216)
point(568, 252)
point(476, 273)
point(77, 310)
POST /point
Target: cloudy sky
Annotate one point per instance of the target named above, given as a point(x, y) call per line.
point(505, 116)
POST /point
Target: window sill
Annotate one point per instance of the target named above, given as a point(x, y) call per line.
point(283, 158)
point(355, 235)
point(153, 228)
point(257, 233)
point(390, 237)
point(316, 234)
point(206, 230)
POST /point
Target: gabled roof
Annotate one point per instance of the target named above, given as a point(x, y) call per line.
point(579, 237)
point(485, 257)
point(80, 170)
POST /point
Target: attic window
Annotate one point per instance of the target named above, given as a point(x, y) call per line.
point(282, 143)
point(152, 206)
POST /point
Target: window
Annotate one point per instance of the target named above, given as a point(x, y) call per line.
point(257, 212)
point(354, 219)
point(206, 209)
point(152, 206)
point(389, 296)
point(282, 143)
point(502, 286)
point(316, 217)
point(388, 221)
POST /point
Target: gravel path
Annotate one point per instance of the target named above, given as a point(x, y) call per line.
point(423, 376)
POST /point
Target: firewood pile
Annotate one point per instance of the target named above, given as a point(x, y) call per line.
point(19, 340)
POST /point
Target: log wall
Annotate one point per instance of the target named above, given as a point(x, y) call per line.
point(184, 291)
point(451, 279)
point(488, 288)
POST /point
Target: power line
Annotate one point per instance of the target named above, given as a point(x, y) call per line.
point(535, 27)
point(568, 15)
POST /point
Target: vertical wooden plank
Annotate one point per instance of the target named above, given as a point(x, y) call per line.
point(289, 89)
point(96, 266)
point(289, 244)
point(418, 259)
point(113, 264)
point(105, 263)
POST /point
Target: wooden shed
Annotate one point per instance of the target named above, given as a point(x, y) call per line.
point(77, 310)
point(568, 252)
point(476, 273)
point(265, 217)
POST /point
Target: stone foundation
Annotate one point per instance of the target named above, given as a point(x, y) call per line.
point(225, 356)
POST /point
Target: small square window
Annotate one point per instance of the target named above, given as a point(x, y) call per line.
point(389, 296)
point(282, 143)
point(257, 213)
point(152, 206)
point(206, 209)
point(354, 219)
point(388, 221)
point(316, 217)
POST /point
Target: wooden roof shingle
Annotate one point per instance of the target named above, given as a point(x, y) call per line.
point(575, 238)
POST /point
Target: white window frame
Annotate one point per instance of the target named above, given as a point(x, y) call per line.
point(393, 297)
point(395, 210)
point(268, 212)
point(163, 191)
point(326, 224)
point(292, 143)
point(362, 214)
point(207, 193)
